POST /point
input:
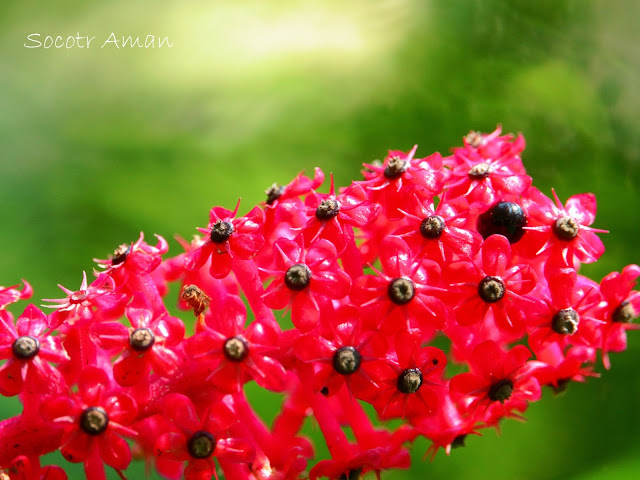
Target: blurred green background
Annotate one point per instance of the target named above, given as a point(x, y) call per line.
point(98, 144)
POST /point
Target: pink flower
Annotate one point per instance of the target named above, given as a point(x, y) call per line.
point(226, 236)
point(28, 349)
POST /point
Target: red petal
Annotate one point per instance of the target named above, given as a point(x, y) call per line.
point(309, 348)
point(195, 259)
point(172, 446)
point(32, 322)
point(199, 470)
point(277, 295)
point(92, 384)
point(182, 413)
point(496, 255)
point(11, 381)
point(114, 450)
point(321, 255)
point(230, 318)
point(334, 284)
point(110, 335)
point(267, 372)
point(246, 245)
point(471, 312)
point(582, 207)
point(171, 328)
point(76, 445)
point(165, 362)
point(395, 256)
point(465, 383)
point(287, 252)
point(139, 311)
point(487, 360)
point(129, 369)
point(235, 450)
point(515, 358)
point(121, 409)
point(52, 472)
point(304, 313)
point(220, 264)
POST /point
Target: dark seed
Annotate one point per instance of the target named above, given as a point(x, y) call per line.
point(504, 218)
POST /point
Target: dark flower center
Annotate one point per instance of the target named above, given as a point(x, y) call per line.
point(201, 444)
point(221, 231)
point(473, 139)
point(624, 313)
point(351, 475)
point(566, 228)
point(327, 209)
point(273, 193)
point(142, 339)
point(401, 290)
point(120, 254)
point(432, 227)
point(491, 289)
point(459, 441)
point(504, 218)
point(480, 171)
point(236, 348)
point(94, 420)
point(565, 322)
point(25, 347)
point(346, 360)
point(297, 277)
point(395, 168)
point(501, 391)
point(410, 380)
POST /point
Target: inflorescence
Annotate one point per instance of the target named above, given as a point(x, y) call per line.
point(462, 247)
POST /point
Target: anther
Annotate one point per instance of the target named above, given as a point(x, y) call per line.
point(432, 227)
point(94, 420)
point(273, 193)
point(346, 360)
point(201, 444)
point(142, 339)
point(501, 391)
point(624, 313)
point(491, 289)
point(395, 168)
point(327, 209)
point(566, 228)
point(297, 277)
point(120, 254)
point(221, 231)
point(565, 322)
point(401, 291)
point(410, 380)
point(25, 347)
point(236, 348)
point(474, 139)
point(480, 171)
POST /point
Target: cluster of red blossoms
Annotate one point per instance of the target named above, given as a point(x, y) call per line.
point(459, 251)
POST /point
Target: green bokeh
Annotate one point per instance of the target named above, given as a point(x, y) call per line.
point(102, 143)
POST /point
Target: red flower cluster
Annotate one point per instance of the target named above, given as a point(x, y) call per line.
point(461, 247)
